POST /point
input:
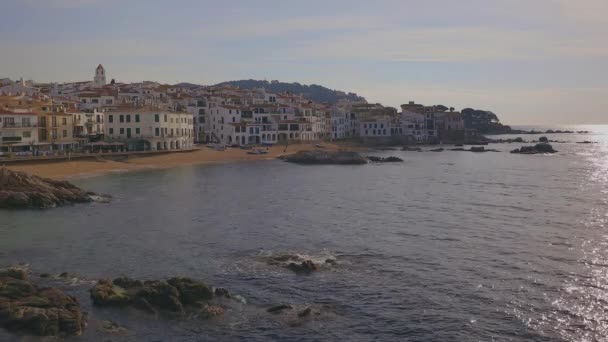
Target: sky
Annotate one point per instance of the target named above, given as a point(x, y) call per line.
point(529, 61)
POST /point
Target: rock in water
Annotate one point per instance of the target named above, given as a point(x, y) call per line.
point(325, 157)
point(171, 296)
point(279, 308)
point(46, 312)
point(20, 190)
point(306, 267)
point(391, 159)
point(536, 149)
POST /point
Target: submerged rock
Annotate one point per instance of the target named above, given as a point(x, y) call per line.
point(437, 150)
point(306, 267)
point(390, 159)
point(280, 308)
point(325, 157)
point(20, 190)
point(413, 149)
point(536, 149)
point(28, 309)
point(171, 296)
point(210, 311)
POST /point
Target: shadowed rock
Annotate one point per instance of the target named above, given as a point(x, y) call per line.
point(325, 157)
point(20, 190)
point(28, 309)
point(536, 149)
point(171, 296)
point(306, 267)
point(390, 159)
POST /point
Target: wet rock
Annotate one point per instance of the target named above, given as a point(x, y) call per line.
point(304, 313)
point(412, 149)
point(171, 296)
point(325, 157)
point(20, 190)
point(113, 328)
point(191, 291)
point(536, 149)
point(28, 309)
point(13, 272)
point(437, 150)
point(210, 311)
point(543, 139)
point(279, 308)
point(45, 275)
point(222, 292)
point(585, 142)
point(306, 267)
point(330, 261)
point(390, 159)
point(477, 149)
point(104, 293)
point(64, 275)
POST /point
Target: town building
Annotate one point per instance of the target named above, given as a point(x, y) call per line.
point(18, 129)
point(149, 129)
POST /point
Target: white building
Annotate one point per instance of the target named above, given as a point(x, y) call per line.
point(150, 129)
point(18, 129)
point(378, 127)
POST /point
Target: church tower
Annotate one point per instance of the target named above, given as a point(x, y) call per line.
point(100, 76)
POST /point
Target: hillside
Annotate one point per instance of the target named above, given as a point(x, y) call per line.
point(312, 92)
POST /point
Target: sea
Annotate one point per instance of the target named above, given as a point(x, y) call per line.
point(446, 246)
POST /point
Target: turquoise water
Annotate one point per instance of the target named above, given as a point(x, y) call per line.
point(451, 246)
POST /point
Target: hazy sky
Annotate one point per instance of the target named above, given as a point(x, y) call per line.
point(530, 61)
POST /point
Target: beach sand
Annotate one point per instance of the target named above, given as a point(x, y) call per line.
point(89, 167)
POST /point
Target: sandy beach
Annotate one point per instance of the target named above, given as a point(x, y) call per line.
point(89, 167)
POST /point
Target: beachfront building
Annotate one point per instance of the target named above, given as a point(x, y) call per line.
point(418, 123)
point(88, 126)
point(376, 127)
point(149, 129)
point(199, 109)
point(18, 129)
point(56, 127)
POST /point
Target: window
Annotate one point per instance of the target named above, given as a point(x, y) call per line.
point(111, 118)
point(65, 133)
point(122, 130)
point(64, 121)
point(128, 117)
point(121, 118)
point(136, 117)
point(137, 131)
point(165, 117)
point(54, 133)
point(233, 119)
point(156, 118)
point(111, 131)
point(27, 134)
point(95, 101)
point(157, 131)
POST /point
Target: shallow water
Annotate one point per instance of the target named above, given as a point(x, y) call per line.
point(451, 246)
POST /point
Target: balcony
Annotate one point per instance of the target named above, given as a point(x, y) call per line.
point(18, 125)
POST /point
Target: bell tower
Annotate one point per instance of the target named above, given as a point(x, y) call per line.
point(100, 76)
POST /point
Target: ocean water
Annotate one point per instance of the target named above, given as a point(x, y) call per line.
point(450, 246)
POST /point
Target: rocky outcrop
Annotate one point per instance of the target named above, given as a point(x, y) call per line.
point(325, 157)
point(20, 190)
point(390, 159)
point(170, 297)
point(305, 267)
point(25, 308)
point(536, 149)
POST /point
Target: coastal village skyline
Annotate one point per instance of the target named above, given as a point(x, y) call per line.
point(149, 116)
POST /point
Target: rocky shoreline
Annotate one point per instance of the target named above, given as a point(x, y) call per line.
point(26, 308)
point(19, 190)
